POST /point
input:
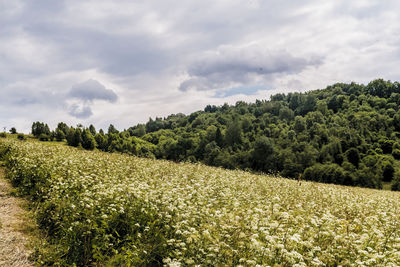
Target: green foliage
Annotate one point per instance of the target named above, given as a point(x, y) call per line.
point(387, 171)
point(21, 136)
point(108, 209)
point(382, 88)
point(396, 184)
point(337, 126)
point(138, 130)
point(77, 137)
point(353, 156)
point(63, 127)
point(44, 137)
point(88, 142)
point(101, 141)
point(59, 135)
point(70, 136)
point(262, 154)
point(233, 134)
point(328, 173)
point(39, 128)
point(13, 130)
point(3, 135)
point(299, 124)
point(92, 130)
point(112, 129)
point(396, 153)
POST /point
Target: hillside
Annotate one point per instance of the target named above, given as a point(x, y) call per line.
point(117, 209)
point(345, 134)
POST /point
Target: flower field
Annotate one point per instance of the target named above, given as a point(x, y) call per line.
point(112, 209)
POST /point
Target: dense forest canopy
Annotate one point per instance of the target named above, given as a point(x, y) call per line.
point(346, 134)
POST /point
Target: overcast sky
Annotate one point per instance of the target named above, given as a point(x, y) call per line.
point(121, 62)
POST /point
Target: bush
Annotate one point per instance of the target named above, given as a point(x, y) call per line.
point(327, 173)
point(386, 145)
point(21, 136)
point(396, 153)
point(3, 135)
point(353, 156)
point(396, 184)
point(388, 172)
point(59, 135)
point(44, 137)
point(88, 141)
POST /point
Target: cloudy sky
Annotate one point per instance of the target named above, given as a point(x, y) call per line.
point(100, 62)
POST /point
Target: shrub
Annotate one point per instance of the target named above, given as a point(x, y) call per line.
point(88, 141)
point(59, 135)
point(13, 130)
point(396, 185)
point(21, 136)
point(388, 171)
point(44, 137)
point(327, 173)
point(3, 135)
point(386, 145)
point(353, 156)
point(396, 153)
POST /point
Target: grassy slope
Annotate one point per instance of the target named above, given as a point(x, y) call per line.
point(148, 211)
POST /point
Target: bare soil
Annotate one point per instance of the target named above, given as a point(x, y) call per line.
point(13, 241)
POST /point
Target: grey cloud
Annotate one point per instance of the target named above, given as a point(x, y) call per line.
point(76, 102)
point(80, 111)
point(68, 46)
point(88, 46)
point(362, 10)
point(146, 47)
point(92, 90)
point(81, 96)
point(120, 55)
point(22, 95)
point(98, 43)
point(242, 65)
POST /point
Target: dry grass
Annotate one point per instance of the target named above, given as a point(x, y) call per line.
point(13, 240)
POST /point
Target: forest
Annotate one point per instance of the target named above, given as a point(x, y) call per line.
point(345, 134)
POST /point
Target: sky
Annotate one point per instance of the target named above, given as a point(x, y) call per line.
point(121, 62)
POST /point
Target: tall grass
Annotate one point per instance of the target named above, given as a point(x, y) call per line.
point(113, 209)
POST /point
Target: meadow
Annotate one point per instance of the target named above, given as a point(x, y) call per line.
point(111, 209)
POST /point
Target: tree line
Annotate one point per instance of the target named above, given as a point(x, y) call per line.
point(345, 134)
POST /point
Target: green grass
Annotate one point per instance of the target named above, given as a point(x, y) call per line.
point(104, 208)
point(387, 185)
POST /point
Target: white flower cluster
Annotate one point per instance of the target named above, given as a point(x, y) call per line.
point(215, 216)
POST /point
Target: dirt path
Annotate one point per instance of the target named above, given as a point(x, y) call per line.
point(12, 240)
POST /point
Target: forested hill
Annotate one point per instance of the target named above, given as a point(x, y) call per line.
point(345, 134)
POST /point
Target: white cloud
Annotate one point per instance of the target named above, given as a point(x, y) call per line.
point(234, 66)
point(80, 110)
point(92, 90)
point(81, 96)
point(146, 51)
